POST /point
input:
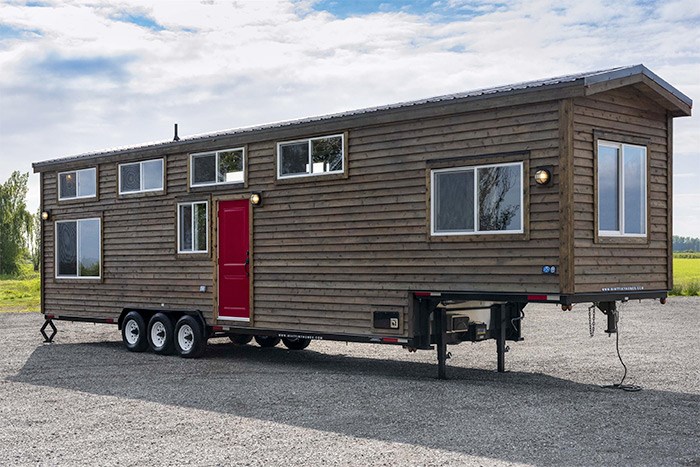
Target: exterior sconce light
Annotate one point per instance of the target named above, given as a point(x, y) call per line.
point(543, 176)
point(45, 215)
point(256, 199)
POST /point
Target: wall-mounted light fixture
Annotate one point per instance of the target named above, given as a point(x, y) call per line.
point(256, 199)
point(45, 215)
point(543, 175)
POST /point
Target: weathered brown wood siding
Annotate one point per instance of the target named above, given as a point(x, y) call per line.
point(609, 263)
point(140, 267)
point(327, 252)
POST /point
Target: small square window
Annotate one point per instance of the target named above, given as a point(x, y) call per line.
point(217, 168)
point(139, 177)
point(480, 199)
point(314, 156)
point(77, 184)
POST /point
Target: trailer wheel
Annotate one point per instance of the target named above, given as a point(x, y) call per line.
point(240, 339)
point(296, 343)
point(134, 332)
point(267, 341)
point(189, 337)
point(160, 334)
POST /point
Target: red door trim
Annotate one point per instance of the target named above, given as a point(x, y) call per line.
point(243, 321)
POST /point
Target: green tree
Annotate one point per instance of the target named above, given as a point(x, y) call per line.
point(34, 238)
point(15, 222)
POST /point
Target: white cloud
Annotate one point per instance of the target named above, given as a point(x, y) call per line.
point(93, 79)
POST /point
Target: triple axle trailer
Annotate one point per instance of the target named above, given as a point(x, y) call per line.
point(420, 224)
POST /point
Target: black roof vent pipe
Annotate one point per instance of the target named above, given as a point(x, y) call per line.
point(176, 137)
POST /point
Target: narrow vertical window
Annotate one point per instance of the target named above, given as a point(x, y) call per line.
point(193, 227)
point(622, 189)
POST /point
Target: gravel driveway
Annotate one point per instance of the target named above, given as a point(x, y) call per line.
point(86, 400)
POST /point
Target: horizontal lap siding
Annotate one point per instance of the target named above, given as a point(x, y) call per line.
point(599, 265)
point(329, 252)
point(140, 265)
point(326, 252)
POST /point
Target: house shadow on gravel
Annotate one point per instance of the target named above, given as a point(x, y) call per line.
point(513, 417)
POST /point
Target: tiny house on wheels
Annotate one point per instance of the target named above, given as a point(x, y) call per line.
point(418, 224)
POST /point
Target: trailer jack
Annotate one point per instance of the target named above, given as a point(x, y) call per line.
point(48, 338)
point(610, 310)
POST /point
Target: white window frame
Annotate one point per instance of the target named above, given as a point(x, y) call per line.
point(192, 223)
point(77, 249)
point(216, 162)
point(476, 168)
point(309, 140)
point(140, 164)
point(621, 190)
point(77, 189)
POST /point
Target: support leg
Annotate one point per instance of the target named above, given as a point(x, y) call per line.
point(440, 318)
point(48, 338)
point(501, 338)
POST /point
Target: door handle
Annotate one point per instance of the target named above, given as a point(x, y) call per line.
point(246, 265)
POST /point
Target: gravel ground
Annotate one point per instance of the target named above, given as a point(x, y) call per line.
point(86, 400)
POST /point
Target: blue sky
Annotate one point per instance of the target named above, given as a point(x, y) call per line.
point(80, 75)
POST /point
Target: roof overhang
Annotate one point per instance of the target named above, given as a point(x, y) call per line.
point(639, 76)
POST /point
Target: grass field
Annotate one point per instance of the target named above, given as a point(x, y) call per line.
point(21, 293)
point(686, 274)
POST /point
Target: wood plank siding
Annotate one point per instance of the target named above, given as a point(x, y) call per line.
point(328, 251)
point(624, 262)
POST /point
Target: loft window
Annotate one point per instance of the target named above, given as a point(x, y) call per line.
point(485, 199)
point(78, 248)
point(140, 177)
point(77, 184)
point(219, 167)
point(193, 227)
point(622, 189)
point(313, 156)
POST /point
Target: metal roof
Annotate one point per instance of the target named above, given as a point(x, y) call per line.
point(587, 78)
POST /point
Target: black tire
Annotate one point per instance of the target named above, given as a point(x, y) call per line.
point(267, 341)
point(189, 338)
point(134, 332)
point(161, 335)
point(240, 339)
point(296, 343)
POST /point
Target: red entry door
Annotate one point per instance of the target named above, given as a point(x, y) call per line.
point(234, 260)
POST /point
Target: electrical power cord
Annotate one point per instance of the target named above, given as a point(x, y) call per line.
point(621, 385)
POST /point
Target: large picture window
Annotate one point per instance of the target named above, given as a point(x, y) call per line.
point(78, 248)
point(77, 184)
point(622, 189)
point(140, 177)
point(479, 199)
point(193, 227)
point(314, 156)
point(219, 167)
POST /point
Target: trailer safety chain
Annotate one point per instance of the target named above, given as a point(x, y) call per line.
point(591, 319)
